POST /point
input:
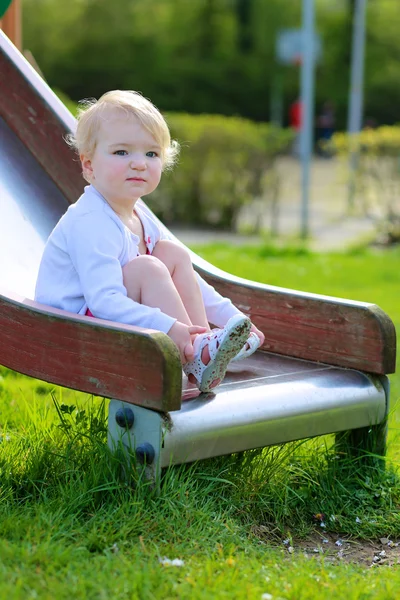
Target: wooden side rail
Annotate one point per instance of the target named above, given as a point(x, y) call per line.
point(37, 125)
point(312, 327)
point(140, 366)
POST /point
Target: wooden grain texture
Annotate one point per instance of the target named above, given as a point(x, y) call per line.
point(91, 355)
point(26, 113)
point(318, 328)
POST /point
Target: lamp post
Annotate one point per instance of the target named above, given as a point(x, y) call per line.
point(355, 114)
point(307, 104)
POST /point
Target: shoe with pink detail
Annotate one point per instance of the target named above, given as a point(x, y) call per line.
point(223, 345)
point(253, 342)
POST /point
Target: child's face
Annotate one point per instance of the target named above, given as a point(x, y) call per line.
point(126, 163)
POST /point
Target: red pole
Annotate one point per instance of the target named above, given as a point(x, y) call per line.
point(11, 23)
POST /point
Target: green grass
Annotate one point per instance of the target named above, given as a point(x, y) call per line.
point(71, 528)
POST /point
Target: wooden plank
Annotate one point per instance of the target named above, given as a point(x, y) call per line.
point(317, 328)
point(113, 360)
point(29, 116)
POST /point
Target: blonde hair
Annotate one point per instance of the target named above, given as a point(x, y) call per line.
point(94, 111)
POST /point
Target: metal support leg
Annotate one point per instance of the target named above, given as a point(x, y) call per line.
point(138, 431)
point(369, 444)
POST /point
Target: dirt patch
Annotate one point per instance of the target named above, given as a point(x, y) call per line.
point(336, 549)
point(346, 549)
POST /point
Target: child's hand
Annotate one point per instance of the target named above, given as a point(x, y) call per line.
point(258, 333)
point(182, 335)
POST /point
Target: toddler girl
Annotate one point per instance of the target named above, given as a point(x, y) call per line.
point(109, 257)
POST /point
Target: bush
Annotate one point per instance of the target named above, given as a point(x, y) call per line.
point(225, 163)
point(382, 141)
point(377, 176)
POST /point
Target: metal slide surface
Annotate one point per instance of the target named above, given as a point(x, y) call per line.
point(30, 206)
point(30, 202)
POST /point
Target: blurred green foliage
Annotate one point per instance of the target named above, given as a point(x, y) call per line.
point(209, 56)
point(225, 163)
point(377, 176)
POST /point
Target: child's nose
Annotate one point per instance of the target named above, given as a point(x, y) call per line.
point(138, 162)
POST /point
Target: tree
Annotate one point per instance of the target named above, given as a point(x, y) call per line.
point(209, 55)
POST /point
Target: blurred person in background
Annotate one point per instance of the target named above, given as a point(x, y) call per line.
point(295, 122)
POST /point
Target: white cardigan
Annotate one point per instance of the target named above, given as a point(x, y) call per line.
point(82, 262)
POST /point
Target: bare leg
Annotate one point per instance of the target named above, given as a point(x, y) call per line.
point(149, 282)
point(178, 262)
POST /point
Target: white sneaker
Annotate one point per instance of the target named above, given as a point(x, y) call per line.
point(223, 345)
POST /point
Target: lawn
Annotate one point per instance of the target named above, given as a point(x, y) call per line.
point(287, 522)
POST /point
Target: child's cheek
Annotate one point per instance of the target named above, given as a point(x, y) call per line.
point(119, 167)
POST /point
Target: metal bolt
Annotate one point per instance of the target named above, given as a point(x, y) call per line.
point(145, 453)
point(125, 417)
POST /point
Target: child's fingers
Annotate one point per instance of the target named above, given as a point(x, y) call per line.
point(193, 329)
point(188, 352)
point(261, 336)
point(259, 333)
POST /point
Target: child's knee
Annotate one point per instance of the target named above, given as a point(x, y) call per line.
point(144, 266)
point(170, 249)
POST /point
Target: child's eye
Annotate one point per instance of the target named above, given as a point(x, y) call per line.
point(121, 152)
point(151, 154)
